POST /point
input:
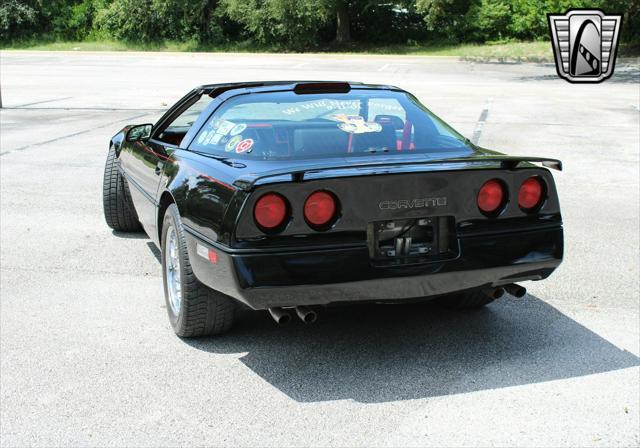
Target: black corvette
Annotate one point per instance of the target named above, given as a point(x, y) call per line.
point(288, 195)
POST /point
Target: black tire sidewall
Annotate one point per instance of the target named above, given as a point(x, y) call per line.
point(119, 211)
point(203, 311)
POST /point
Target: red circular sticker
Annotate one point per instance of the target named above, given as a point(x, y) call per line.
point(244, 146)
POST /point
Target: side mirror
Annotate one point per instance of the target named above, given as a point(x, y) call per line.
point(139, 133)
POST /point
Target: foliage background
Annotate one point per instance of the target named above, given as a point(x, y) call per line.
point(295, 25)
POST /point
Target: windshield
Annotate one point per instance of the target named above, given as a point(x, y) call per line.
point(286, 125)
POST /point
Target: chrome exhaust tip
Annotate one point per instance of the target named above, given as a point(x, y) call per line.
point(281, 316)
point(494, 293)
point(516, 290)
point(306, 314)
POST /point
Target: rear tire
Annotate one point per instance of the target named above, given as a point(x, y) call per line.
point(468, 300)
point(119, 211)
point(194, 309)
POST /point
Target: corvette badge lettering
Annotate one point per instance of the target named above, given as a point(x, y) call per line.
point(413, 203)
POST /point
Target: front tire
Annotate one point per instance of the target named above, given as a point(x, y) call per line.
point(194, 309)
point(119, 211)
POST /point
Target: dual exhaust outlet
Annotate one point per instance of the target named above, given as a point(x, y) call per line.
point(513, 289)
point(283, 316)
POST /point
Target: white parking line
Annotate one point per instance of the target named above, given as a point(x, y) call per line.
point(481, 121)
point(43, 102)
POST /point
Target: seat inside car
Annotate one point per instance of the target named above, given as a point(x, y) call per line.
point(318, 141)
point(386, 138)
point(172, 136)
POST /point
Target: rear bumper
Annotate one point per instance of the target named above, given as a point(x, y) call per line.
point(264, 280)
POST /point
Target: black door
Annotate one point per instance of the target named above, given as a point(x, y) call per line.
point(144, 161)
point(143, 165)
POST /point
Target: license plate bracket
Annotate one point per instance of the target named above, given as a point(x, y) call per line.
point(411, 239)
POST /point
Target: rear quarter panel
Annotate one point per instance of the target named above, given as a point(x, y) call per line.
point(203, 193)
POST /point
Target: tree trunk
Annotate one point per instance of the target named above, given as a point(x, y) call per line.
point(343, 32)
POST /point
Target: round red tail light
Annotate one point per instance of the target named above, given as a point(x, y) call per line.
point(270, 211)
point(490, 196)
point(530, 194)
point(320, 209)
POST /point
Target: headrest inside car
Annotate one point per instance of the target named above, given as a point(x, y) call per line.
point(390, 119)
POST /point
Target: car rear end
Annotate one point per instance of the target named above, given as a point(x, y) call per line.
point(390, 236)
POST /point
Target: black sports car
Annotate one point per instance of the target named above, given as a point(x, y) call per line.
point(287, 195)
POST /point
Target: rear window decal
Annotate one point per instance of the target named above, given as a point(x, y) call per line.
point(225, 127)
point(244, 146)
point(355, 124)
point(322, 104)
point(203, 137)
point(232, 143)
point(215, 139)
point(237, 129)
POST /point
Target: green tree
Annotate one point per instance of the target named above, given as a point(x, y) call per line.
point(296, 24)
point(285, 23)
point(491, 19)
point(156, 20)
point(446, 19)
point(17, 19)
point(343, 21)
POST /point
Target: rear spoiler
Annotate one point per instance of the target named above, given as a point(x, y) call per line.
point(248, 181)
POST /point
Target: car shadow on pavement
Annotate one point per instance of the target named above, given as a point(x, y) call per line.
point(140, 236)
point(130, 235)
point(155, 251)
point(381, 353)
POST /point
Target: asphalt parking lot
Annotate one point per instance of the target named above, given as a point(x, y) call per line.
point(87, 354)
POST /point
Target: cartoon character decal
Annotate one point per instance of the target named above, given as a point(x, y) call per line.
point(356, 124)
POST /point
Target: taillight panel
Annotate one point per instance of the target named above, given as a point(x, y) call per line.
point(272, 211)
point(493, 197)
point(361, 200)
